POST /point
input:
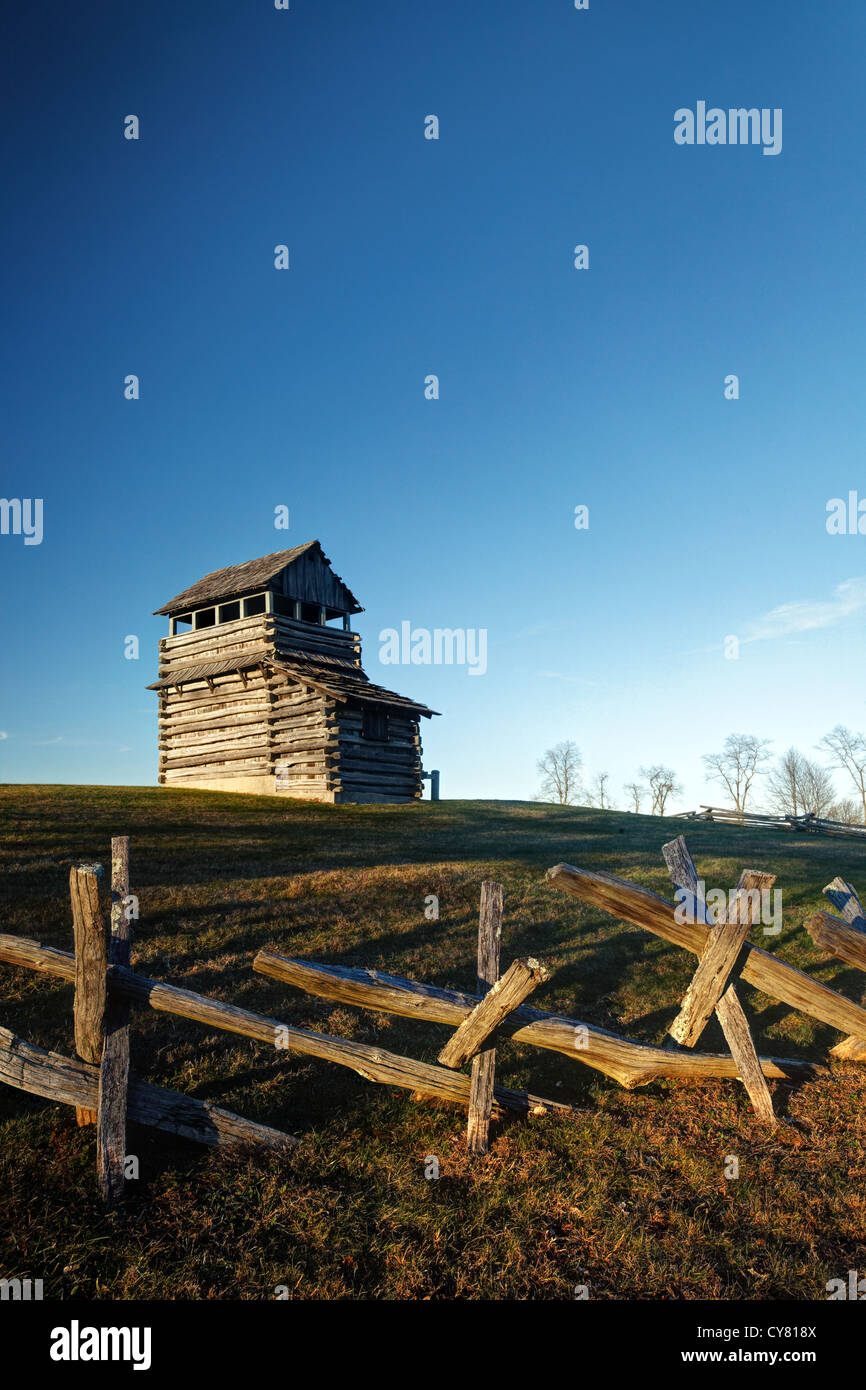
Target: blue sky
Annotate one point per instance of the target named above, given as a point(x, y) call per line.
point(558, 387)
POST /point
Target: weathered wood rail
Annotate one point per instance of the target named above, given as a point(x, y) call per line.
point(630, 1063)
point(712, 989)
point(484, 1065)
point(73, 1082)
point(98, 1082)
point(114, 1067)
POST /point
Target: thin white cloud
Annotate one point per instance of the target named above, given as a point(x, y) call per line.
point(807, 615)
point(560, 676)
point(3, 734)
point(68, 742)
point(563, 625)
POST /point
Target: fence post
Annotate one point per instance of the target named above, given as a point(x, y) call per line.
point(713, 984)
point(91, 964)
point(507, 994)
point(484, 1064)
point(114, 1071)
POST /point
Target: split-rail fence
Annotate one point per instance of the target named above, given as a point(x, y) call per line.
point(101, 1086)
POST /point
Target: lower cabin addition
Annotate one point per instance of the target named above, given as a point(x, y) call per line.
point(263, 732)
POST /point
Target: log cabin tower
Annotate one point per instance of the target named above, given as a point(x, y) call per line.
point(261, 689)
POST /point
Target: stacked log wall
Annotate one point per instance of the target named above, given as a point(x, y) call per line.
point(243, 638)
point(303, 738)
point(247, 725)
point(290, 636)
point(374, 771)
point(267, 634)
point(216, 729)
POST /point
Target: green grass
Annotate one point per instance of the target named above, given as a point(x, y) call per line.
point(628, 1195)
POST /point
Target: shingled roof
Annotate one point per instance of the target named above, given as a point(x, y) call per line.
point(347, 684)
point(235, 580)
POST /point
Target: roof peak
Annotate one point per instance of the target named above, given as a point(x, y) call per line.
point(234, 580)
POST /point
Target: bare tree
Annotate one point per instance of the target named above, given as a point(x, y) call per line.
point(848, 751)
point(662, 784)
point(560, 774)
point(819, 793)
point(598, 793)
point(635, 791)
point(785, 783)
point(847, 810)
point(798, 785)
point(737, 766)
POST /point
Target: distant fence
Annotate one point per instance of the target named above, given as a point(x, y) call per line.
point(101, 1086)
point(808, 823)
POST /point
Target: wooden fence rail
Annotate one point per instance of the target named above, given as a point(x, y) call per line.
point(73, 1082)
point(630, 1063)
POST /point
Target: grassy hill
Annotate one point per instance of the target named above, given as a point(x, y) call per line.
point(628, 1195)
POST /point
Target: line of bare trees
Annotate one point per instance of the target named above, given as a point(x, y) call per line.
point(562, 782)
point(792, 783)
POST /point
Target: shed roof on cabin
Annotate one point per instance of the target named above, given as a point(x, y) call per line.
point(309, 669)
point(235, 580)
point(348, 685)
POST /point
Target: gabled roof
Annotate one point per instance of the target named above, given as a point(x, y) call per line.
point(347, 684)
point(235, 580)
